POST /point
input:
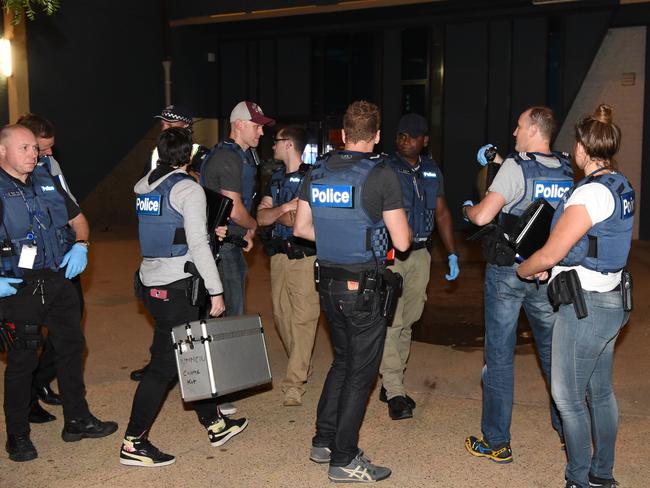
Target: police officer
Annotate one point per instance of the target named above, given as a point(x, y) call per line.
point(231, 170)
point(180, 117)
point(530, 173)
point(295, 301)
point(171, 210)
point(351, 205)
point(36, 290)
point(591, 236)
point(423, 195)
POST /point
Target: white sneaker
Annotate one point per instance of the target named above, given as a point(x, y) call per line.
point(228, 408)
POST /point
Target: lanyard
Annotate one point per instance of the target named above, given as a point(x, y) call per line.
point(32, 215)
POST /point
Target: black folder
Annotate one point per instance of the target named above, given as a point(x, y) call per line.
point(532, 229)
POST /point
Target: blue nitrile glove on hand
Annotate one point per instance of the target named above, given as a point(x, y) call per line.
point(480, 155)
point(466, 203)
point(6, 290)
point(454, 270)
point(75, 261)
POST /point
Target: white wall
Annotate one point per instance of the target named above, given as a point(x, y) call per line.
point(622, 51)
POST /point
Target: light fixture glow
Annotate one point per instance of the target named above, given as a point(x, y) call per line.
point(5, 57)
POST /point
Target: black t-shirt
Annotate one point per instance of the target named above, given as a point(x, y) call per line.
point(223, 171)
point(381, 191)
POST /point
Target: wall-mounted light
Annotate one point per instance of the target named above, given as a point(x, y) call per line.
point(5, 57)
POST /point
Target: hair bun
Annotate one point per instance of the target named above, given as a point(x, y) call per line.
point(603, 114)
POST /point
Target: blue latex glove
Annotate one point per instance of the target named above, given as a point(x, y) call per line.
point(75, 261)
point(6, 290)
point(467, 203)
point(480, 155)
point(454, 270)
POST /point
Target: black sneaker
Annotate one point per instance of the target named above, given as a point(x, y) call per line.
point(602, 482)
point(571, 484)
point(481, 448)
point(222, 430)
point(90, 427)
point(140, 452)
point(38, 415)
point(20, 448)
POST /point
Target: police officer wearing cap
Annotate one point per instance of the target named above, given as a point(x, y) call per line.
point(296, 308)
point(351, 206)
point(424, 202)
point(231, 169)
point(590, 238)
point(38, 261)
point(534, 171)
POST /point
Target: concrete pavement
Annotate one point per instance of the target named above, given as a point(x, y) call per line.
point(425, 451)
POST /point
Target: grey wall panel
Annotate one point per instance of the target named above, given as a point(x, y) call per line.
point(293, 75)
point(392, 88)
point(499, 129)
point(233, 64)
point(268, 74)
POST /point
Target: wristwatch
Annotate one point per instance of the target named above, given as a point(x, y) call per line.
point(83, 243)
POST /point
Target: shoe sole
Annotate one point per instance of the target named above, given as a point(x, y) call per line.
point(488, 456)
point(401, 417)
point(230, 435)
point(42, 421)
point(140, 464)
point(319, 460)
point(348, 480)
point(68, 437)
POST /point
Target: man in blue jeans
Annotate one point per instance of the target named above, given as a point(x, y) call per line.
point(533, 172)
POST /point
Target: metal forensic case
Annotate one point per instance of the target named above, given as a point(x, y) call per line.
point(219, 356)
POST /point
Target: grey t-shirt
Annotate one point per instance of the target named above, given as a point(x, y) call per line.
point(509, 181)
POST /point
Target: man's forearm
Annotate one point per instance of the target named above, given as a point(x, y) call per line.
point(80, 227)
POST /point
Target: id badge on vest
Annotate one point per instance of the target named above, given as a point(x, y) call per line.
point(27, 256)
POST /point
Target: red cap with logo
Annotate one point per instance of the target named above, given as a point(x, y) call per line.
point(250, 111)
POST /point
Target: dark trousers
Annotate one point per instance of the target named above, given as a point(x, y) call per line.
point(152, 390)
point(232, 269)
point(358, 342)
point(60, 314)
point(46, 370)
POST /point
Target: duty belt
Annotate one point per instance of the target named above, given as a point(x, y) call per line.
point(339, 274)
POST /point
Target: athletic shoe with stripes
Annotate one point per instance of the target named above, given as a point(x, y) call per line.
point(360, 470)
point(481, 448)
point(595, 481)
point(140, 452)
point(222, 430)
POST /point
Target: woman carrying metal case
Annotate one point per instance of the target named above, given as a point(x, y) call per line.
point(587, 250)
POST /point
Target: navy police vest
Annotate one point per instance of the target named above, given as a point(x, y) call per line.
point(541, 181)
point(344, 232)
point(284, 188)
point(605, 247)
point(161, 230)
point(33, 213)
point(249, 171)
point(419, 193)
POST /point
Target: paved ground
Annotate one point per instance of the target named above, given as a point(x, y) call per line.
point(424, 451)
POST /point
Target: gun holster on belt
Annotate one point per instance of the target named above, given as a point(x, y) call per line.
point(391, 292)
point(19, 336)
point(495, 246)
point(566, 288)
point(196, 292)
point(369, 288)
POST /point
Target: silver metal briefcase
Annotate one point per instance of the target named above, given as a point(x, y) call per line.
point(220, 356)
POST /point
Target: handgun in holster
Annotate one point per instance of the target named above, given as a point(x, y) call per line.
point(196, 292)
point(565, 289)
point(391, 291)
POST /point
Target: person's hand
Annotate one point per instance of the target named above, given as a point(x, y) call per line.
point(217, 305)
point(454, 270)
point(480, 155)
point(466, 203)
point(221, 232)
point(75, 260)
point(290, 206)
point(249, 236)
point(6, 289)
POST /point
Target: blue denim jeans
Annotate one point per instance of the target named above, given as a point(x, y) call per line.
point(505, 294)
point(358, 342)
point(232, 270)
point(582, 383)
